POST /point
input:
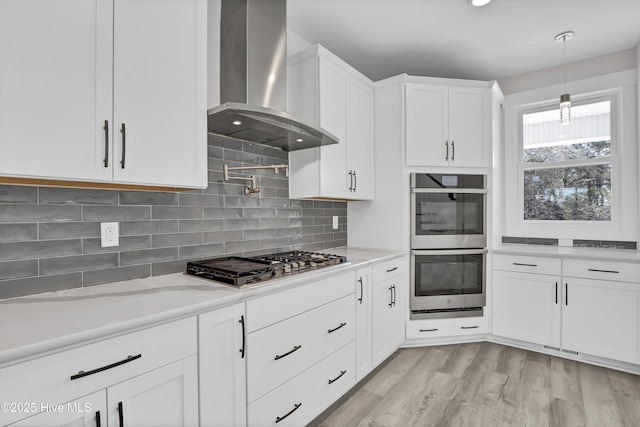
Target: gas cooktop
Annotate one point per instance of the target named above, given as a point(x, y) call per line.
point(239, 271)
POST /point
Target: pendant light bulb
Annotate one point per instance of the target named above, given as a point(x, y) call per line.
point(565, 98)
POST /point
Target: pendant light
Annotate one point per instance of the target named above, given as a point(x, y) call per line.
point(565, 98)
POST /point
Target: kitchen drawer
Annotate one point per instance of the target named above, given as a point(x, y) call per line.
point(48, 378)
point(300, 342)
point(387, 269)
point(528, 264)
point(269, 309)
point(602, 270)
point(437, 328)
point(311, 392)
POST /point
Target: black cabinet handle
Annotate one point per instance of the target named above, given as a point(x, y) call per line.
point(453, 150)
point(390, 296)
point(361, 290)
point(604, 271)
point(295, 348)
point(556, 292)
point(338, 377)
point(98, 419)
point(392, 269)
point(525, 265)
point(342, 325)
point(350, 180)
point(104, 368)
point(566, 294)
point(429, 330)
point(295, 408)
point(469, 327)
point(120, 414)
point(446, 157)
point(106, 143)
point(244, 335)
point(124, 145)
point(355, 182)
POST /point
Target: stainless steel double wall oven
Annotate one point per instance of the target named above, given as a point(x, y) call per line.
point(448, 245)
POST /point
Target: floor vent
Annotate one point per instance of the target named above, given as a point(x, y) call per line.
point(552, 348)
point(575, 353)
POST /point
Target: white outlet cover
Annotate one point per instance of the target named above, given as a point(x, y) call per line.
point(335, 222)
point(565, 242)
point(109, 234)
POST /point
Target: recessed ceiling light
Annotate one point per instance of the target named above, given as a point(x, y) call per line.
point(299, 140)
point(478, 2)
point(237, 122)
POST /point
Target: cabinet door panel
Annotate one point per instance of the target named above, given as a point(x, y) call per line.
point(222, 367)
point(363, 323)
point(468, 124)
point(55, 89)
point(601, 318)
point(360, 150)
point(82, 412)
point(426, 125)
point(333, 117)
point(158, 77)
point(167, 396)
point(527, 307)
point(380, 325)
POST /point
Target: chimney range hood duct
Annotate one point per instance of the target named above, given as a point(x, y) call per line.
point(253, 79)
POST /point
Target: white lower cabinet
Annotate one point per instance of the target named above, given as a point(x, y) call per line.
point(388, 308)
point(363, 322)
point(593, 308)
point(142, 378)
point(305, 396)
point(444, 328)
point(601, 318)
point(527, 307)
point(222, 363)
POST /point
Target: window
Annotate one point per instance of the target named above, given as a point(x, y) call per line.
point(567, 169)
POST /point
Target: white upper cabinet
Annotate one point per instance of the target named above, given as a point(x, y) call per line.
point(325, 91)
point(76, 72)
point(447, 125)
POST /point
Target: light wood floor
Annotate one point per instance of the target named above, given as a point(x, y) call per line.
point(486, 384)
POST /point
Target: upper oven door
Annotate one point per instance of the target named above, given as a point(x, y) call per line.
point(448, 218)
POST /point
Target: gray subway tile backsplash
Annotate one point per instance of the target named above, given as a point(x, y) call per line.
point(49, 237)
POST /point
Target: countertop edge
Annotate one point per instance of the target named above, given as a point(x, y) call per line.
point(618, 255)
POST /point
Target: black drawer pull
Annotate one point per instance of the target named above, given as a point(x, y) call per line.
point(296, 406)
point(295, 348)
point(603, 271)
point(120, 414)
point(104, 368)
point(469, 327)
point(429, 330)
point(338, 377)
point(98, 422)
point(392, 269)
point(244, 336)
point(342, 325)
point(361, 290)
point(525, 265)
point(123, 131)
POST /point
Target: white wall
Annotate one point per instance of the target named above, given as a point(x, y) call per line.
point(593, 67)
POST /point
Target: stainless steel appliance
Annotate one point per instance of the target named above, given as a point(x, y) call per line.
point(448, 245)
point(240, 272)
point(448, 211)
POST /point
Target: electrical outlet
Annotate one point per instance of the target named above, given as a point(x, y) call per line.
point(109, 234)
point(335, 222)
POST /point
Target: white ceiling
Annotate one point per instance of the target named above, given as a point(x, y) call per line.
point(448, 38)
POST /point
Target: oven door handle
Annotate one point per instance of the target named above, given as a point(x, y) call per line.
point(454, 190)
point(450, 252)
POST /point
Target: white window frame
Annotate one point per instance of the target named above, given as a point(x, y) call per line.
point(620, 88)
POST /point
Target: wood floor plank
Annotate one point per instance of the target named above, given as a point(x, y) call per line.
point(460, 359)
point(565, 380)
point(355, 409)
point(600, 406)
point(626, 389)
point(390, 374)
point(563, 413)
point(532, 407)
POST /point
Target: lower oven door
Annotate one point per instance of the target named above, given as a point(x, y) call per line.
point(447, 280)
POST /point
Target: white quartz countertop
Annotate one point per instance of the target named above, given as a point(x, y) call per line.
point(46, 322)
point(601, 254)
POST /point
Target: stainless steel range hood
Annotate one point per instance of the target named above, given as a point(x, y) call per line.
point(253, 79)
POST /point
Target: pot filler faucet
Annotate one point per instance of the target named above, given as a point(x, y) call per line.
point(252, 188)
